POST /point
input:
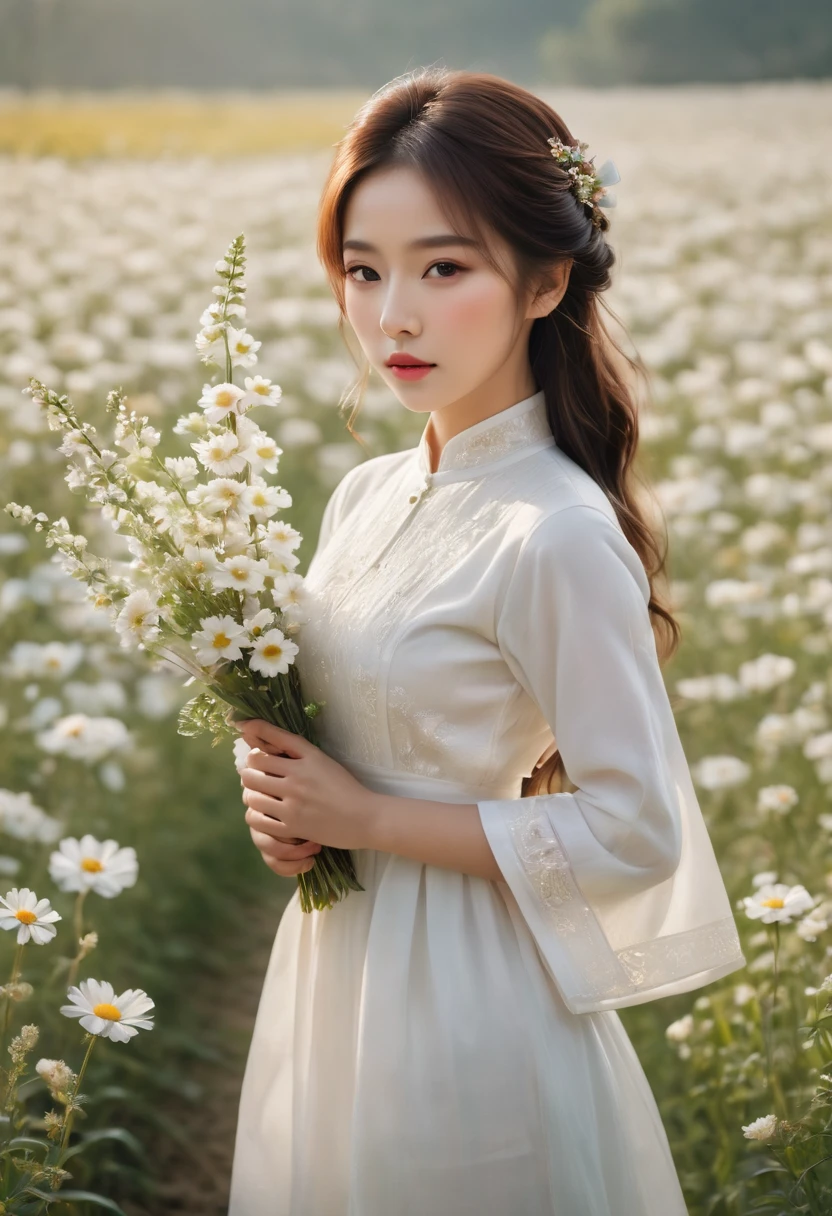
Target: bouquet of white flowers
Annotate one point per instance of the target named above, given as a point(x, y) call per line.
point(212, 587)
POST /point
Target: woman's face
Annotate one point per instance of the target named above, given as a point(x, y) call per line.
point(415, 287)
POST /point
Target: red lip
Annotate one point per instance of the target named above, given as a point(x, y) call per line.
point(402, 360)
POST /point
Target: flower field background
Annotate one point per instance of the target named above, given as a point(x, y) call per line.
point(724, 236)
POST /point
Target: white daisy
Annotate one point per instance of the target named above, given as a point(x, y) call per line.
point(220, 638)
point(681, 1029)
point(777, 798)
point(220, 400)
point(215, 310)
point(103, 1013)
point(262, 500)
point(209, 337)
point(241, 572)
point(290, 596)
point(200, 559)
point(84, 738)
point(280, 535)
point(191, 424)
point(184, 468)
point(93, 865)
point(719, 772)
point(50, 659)
point(138, 618)
point(22, 819)
point(262, 452)
point(262, 620)
point(221, 454)
point(242, 347)
point(812, 925)
point(260, 391)
point(271, 653)
point(32, 917)
point(220, 495)
point(766, 672)
point(777, 901)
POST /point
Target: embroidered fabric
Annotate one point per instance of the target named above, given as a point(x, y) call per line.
point(495, 438)
point(622, 973)
point(452, 618)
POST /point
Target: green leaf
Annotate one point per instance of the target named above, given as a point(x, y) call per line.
point(76, 1197)
point(25, 1142)
point(107, 1133)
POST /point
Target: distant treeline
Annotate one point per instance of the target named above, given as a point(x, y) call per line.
point(268, 44)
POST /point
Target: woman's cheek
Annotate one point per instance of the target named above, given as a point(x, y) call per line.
point(477, 313)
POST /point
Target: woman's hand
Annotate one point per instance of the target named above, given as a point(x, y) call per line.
point(295, 792)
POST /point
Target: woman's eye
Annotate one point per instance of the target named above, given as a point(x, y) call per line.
point(352, 269)
point(452, 265)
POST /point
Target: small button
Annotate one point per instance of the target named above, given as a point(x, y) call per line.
point(413, 497)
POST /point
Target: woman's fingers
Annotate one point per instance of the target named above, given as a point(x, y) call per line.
point(285, 859)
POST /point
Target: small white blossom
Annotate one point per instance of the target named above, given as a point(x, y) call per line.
point(221, 453)
point(777, 798)
point(184, 468)
point(138, 619)
point(260, 391)
point(262, 500)
point(241, 572)
point(761, 1129)
point(84, 738)
point(681, 1029)
point(220, 400)
point(242, 347)
point(769, 670)
point(720, 772)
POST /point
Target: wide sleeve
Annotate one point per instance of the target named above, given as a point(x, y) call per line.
point(604, 876)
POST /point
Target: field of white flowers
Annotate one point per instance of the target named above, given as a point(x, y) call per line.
point(724, 235)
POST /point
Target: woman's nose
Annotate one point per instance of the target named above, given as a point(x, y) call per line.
point(398, 315)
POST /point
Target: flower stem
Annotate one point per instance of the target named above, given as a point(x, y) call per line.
point(70, 1113)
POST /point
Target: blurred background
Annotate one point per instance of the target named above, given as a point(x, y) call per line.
point(136, 141)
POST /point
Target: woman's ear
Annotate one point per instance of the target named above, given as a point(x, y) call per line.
point(551, 291)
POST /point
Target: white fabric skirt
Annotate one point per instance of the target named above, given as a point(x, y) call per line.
point(411, 1056)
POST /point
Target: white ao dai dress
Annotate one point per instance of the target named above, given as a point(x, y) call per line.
point(440, 1044)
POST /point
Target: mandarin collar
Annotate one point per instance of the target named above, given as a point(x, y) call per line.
point(507, 433)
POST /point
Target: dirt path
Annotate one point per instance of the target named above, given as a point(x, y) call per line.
point(194, 1172)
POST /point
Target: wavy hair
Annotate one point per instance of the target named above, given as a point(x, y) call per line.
point(481, 143)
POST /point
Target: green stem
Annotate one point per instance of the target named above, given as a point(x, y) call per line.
point(76, 1090)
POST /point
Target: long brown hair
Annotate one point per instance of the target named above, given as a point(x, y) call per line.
point(481, 142)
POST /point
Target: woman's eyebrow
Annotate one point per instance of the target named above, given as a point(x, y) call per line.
point(422, 242)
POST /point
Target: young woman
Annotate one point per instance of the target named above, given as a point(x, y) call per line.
point(445, 1043)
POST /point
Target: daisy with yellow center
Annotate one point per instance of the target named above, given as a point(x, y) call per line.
point(220, 400)
point(272, 653)
point(101, 1012)
point(33, 918)
point(260, 391)
point(778, 902)
point(242, 347)
point(89, 864)
point(241, 572)
point(219, 638)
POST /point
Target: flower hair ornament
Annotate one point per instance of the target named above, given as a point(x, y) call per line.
point(590, 186)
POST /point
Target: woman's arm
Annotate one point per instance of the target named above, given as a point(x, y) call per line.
point(294, 790)
point(446, 834)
